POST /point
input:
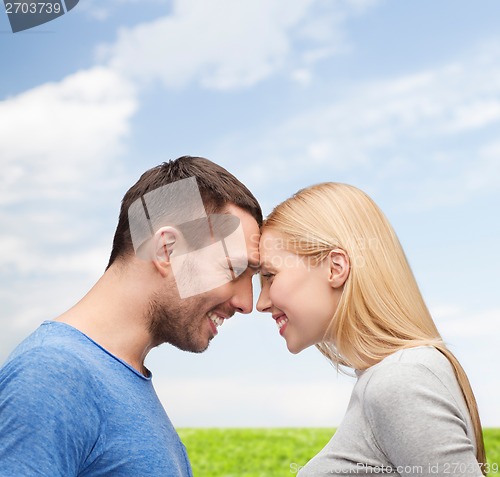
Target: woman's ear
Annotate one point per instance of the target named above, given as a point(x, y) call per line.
point(339, 267)
point(165, 242)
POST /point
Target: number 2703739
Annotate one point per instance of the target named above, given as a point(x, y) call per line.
point(32, 7)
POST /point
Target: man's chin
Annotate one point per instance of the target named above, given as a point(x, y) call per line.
point(193, 348)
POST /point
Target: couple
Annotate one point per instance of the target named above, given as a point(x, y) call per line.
point(77, 400)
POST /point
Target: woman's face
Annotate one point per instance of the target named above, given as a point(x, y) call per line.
point(299, 295)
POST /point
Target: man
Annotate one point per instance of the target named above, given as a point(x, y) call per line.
point(75, 396)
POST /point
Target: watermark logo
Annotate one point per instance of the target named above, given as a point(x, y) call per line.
point(204, 251)
point(29, 14)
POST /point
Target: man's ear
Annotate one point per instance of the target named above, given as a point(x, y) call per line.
point(339, 267)
point(164, 243)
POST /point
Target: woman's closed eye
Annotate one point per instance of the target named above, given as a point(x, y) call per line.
point(268, 276)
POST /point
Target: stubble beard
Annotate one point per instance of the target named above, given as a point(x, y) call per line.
point(177, 322)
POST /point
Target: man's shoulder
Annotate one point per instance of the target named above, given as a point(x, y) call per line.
point(51, 407)
point(43, 358)
point(48, 380)
point(48, 355)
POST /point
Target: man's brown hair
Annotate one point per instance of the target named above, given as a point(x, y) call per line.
point(218, 188)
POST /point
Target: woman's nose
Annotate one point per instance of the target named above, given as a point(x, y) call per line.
point(264, 303)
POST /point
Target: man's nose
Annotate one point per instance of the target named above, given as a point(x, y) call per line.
point(242, 300)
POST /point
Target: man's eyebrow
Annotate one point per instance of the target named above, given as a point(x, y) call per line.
point(266, 266)
point(253, 264)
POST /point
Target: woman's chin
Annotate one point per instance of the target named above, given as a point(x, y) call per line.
point(295, 348)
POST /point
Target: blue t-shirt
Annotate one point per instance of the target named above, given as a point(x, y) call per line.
point(69, 408)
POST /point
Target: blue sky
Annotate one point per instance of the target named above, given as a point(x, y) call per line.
point(401, 99)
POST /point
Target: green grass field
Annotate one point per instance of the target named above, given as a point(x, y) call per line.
point(270, 452)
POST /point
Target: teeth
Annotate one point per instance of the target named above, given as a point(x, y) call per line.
point(216, 320)
point(281, 321)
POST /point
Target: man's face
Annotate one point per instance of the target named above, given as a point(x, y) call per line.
point(190, 323)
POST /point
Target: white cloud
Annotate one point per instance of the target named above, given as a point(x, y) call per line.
point(60, 145)
point(59, 135)
point(243, 403)
point(60, 142)
point(438, 124)
point(475, 114)
point(472, 336)
point(302, 76)
point(225, 44)
point(28, 302)
point(455, 324)
point(98, 10)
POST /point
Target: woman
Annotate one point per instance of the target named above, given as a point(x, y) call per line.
point(334, 275)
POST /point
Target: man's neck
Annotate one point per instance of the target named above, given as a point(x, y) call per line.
point(113, 315)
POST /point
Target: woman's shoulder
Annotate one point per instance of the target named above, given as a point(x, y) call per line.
point(412, 389)
point(406, 359)
point(407, 371)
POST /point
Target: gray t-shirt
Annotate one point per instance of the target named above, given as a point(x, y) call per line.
point(407, 416)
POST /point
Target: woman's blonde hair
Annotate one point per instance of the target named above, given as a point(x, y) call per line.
point(381, 309)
